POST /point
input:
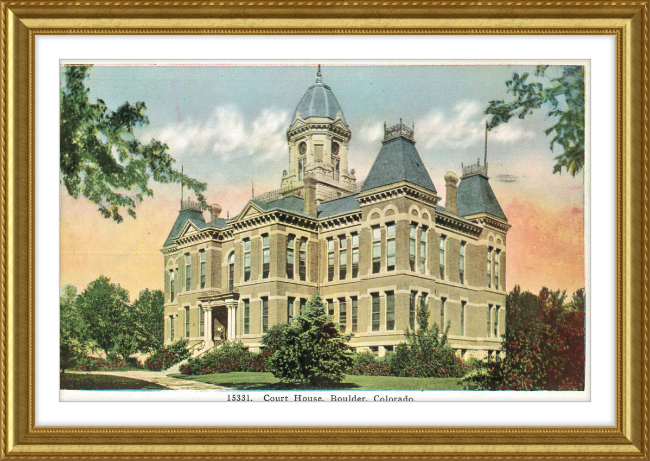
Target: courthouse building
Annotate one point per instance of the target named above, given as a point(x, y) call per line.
point(376, 251)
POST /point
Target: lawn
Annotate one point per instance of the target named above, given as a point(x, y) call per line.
point(83, 381)
point(266, 381)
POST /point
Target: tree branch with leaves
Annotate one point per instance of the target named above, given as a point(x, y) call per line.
point(565, 96)
point(101, 159)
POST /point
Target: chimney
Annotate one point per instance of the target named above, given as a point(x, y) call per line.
point(451, 182)
point(215, 211)
point(310, 195)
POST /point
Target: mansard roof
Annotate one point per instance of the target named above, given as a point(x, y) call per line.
point(475, 195)
point(291, 203)
point(398, 160)
point(338, 206)
point(196, 218)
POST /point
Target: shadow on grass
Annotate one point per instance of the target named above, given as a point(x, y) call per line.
point(78, 381)
point(287, 386)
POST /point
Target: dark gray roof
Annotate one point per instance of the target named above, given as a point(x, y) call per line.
point(338, 206)
point(398, 160)
point(318, 101)
point(196, 217)
point(292, 204)
point(475, 195)
point(219, 223)
point(441, 209)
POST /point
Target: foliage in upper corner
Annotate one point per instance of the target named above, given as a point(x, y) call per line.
point(312, 348)
point(101, 159)
point(566, 97)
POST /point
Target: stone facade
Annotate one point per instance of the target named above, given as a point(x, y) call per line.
point(374, 254)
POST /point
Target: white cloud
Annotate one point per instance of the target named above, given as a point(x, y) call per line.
point(371, 132)
point(227, 135)
point(463, 127)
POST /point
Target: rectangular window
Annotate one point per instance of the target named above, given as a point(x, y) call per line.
point(496, 322)
point(462, 317)
point(302, 261)
point(376, 312)
point(423, 250)
point(343, 314)
point(390, 246)
point(423, 302)
point(301, 167)
point(172, 285)
point(337, 168)
point(376, 249)
point(343, 258)
point(171, 328)
point(290, 303)
point(355, 307)
point(496, 270)
point(188, 272)
point(231, 272)
point(266, 256)
point(330, 307)
point(247, 260)
point(265, 314)
point(303, 303)
point(291, 242)
point(489, 320)
point(201, 322)
point(412, 310)
point(355, 255)
point(461, 263)
point(412, 235)
point(489, 267)
point(330, 259)
point(176, 277)
point(443, 241)
point(247, 316)
point(390, 310)
point(202, 255)
point(442, 314)
point(187, 322)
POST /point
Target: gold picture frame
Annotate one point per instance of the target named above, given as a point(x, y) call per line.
point(22, 21)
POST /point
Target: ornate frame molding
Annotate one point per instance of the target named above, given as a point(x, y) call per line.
point(21, 21)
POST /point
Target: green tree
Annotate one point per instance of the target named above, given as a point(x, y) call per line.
point(101, 159)
point(147, 317)
point(73, 339)
point(565, 97)
point(312, 348)
point(104, 308)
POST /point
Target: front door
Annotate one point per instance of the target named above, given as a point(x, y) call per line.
point(220, 323)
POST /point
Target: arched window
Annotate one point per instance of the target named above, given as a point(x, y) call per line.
point(231, 272)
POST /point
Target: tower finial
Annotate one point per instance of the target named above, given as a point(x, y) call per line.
point(319, 76)
point(181, 187)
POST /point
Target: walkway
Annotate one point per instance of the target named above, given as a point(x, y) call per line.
point(159, 377)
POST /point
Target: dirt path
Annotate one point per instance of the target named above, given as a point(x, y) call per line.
point(159, 377)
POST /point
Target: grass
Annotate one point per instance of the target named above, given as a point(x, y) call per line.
point(86, 381)
point(266, 381)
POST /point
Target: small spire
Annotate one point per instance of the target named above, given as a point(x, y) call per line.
point(485, 155)
point(319, 76)
point(252, 190)
point(181, 186)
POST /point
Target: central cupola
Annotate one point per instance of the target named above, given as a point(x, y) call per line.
point(318, 145)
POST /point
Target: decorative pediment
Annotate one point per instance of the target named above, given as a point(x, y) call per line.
point(188, 229)
point(250, 210)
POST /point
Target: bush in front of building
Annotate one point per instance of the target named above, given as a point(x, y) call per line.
point(544, 345)
point(312, 349)
point(167, 356)
point(226, 358)
point(111, 363)
point(371, 369)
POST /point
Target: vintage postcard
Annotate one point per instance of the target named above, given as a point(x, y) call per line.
point(331, 231)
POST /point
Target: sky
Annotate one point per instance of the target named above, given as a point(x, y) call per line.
point(226, 124)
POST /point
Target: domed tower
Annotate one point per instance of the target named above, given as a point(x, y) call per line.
point(318, 145)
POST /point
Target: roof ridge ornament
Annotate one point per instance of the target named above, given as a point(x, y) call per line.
point(398, 130)
point(319, 76)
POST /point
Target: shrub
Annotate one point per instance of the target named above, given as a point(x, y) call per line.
point(363, 359)
point(312, 349)
point(111, 363)
point(371, 369)
point(544, 345)
point(228, 357)
point(168, 356)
